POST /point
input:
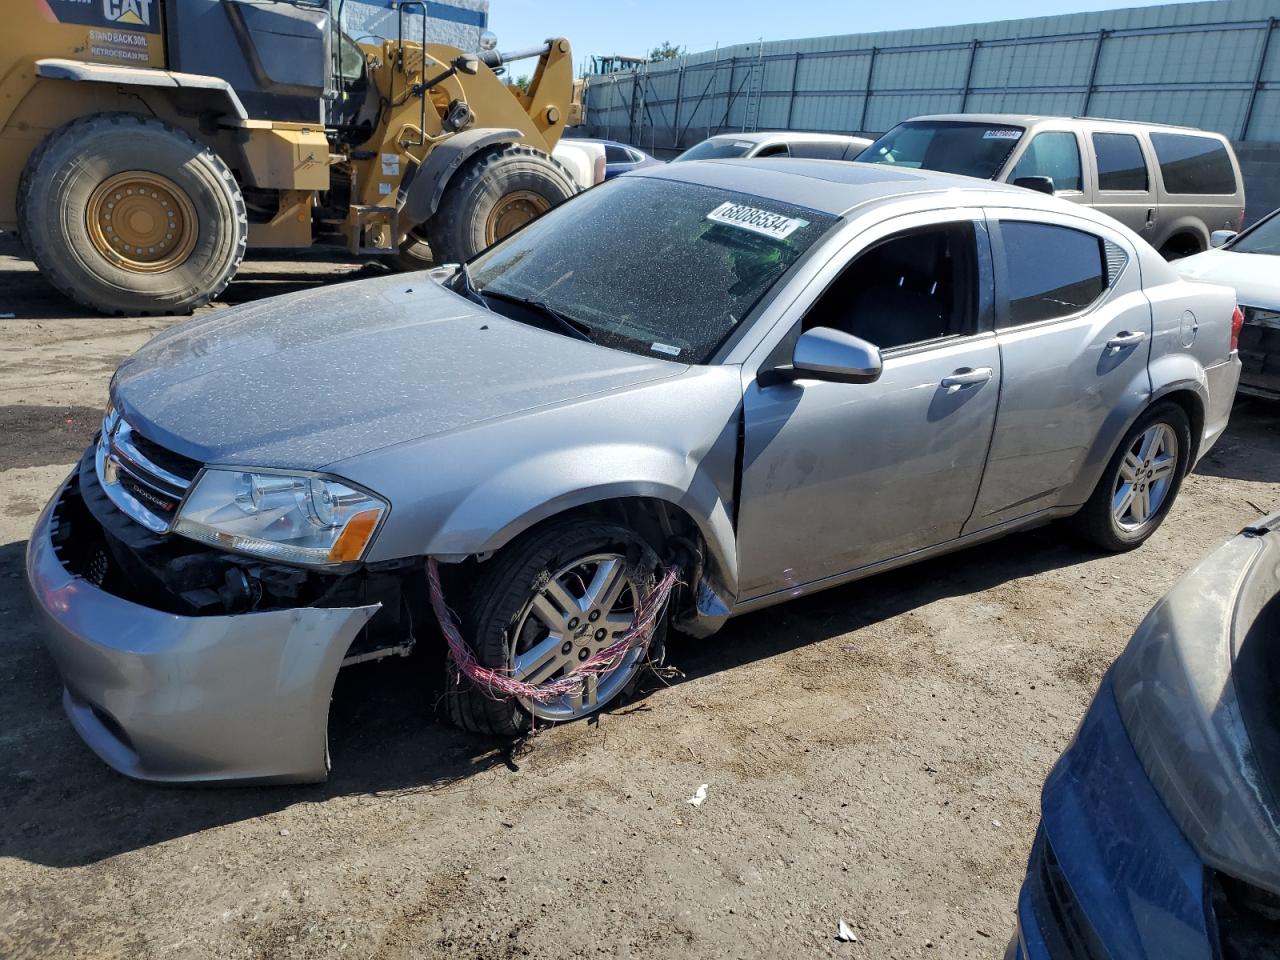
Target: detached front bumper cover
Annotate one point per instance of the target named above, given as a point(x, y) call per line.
point(168, 698)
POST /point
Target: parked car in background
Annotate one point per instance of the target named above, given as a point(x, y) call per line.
point(780, 143)
point(779, 377)
point(621, 158)
point(584, 159)
point(1249, 262)
point(1159, 829)
point(1173, 186)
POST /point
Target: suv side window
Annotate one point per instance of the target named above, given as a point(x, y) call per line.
point(917, 286)
point(1053, 154)
point(818, 151)
point(1050, 271)
point(1193, 164)
point(1121, 165)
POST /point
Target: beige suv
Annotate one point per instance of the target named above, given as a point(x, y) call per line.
point(1173, 185)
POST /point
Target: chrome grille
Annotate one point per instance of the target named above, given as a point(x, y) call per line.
point(129, 474)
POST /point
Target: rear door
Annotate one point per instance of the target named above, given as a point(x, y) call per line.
point(1124, 186)
point(1074, 331)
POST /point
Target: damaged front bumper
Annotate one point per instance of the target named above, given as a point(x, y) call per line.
point(190, 699)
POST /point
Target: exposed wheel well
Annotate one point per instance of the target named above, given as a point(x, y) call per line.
point(1181, 245)
point(1193, 407)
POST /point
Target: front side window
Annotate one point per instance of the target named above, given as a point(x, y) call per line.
point(1194, 164)
point(716, 149)
point(1051, 271)
point(911, 288)
point(963, 147)
point(1055, 155)
point(1121, 165)
point(648, 265)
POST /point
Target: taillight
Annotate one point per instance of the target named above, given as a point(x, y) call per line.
point(1237, 324)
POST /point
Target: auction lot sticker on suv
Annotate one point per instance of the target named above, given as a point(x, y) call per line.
point(758, 221)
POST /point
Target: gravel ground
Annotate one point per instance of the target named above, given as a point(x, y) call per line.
point(873, 753)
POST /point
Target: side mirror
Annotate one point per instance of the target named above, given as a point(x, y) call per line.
point(826, 354)
point(1220, 238)
point(1042, 184)
point(468, 64)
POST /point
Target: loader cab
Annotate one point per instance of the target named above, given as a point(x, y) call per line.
point(276, 54)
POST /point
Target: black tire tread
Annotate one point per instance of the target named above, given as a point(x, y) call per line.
point(47, 260)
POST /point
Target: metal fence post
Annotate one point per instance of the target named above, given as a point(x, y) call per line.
point(1257, 78)
point(791, 101)
point(968, 73)
point(866, 96)
point(1093, 71)
point(675, 124)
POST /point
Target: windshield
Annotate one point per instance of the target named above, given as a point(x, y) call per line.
point(716, 149)
point(1262, 237)
point(970, 149)
point(651, 266)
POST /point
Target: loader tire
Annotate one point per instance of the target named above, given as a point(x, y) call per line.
point(498, 191)
point(128, 215)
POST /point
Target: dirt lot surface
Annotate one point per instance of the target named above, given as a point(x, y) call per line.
point(873, 753)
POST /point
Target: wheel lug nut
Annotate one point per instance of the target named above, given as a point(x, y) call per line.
point(583, 653)
point(600, 634)
point(566, 647)
point(573, 623)
point(594, 616)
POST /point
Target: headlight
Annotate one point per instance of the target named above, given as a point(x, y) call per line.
point(294, 519)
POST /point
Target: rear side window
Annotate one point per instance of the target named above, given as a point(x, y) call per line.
point(773, 150)
point(616, 154)
point(1051, 271)
point(1193, 164)
point(818, 151)
point(1054, 154)
point(1121, 165)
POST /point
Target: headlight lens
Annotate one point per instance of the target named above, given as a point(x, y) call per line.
point(309, 520)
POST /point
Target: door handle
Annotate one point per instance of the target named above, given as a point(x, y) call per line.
point(966, 377)
point(1126, 339)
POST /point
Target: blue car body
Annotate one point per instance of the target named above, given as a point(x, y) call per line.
point(620, 158)
point(1148, 847)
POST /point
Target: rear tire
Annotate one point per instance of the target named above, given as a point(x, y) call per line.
point(498, 608)
point(187, 230)
point(498, 191)
point(1108, 518)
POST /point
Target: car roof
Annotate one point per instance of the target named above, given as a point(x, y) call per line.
point(1027, 119)
point(829, 186)
point(760, 136)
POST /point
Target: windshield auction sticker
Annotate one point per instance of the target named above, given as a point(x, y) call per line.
point(1002, 135)
point(757, 221)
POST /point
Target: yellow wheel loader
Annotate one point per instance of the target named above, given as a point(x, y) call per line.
point(146, 144)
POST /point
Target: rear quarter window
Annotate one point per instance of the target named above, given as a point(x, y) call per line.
point(1194, 164)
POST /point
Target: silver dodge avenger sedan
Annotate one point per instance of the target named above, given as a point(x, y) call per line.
point(778, 376)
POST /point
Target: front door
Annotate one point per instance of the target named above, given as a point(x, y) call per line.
point(839, 476)
point(1074, 328)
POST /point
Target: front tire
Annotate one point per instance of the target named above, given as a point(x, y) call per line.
point(497, 192)
point(543, 605)
point(128, 215)
point(1140, 484)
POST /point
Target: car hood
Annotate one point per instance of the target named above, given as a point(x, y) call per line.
point(1252, 274)
point(307, 379)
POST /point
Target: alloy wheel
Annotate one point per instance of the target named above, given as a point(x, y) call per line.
point(1145, 477)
